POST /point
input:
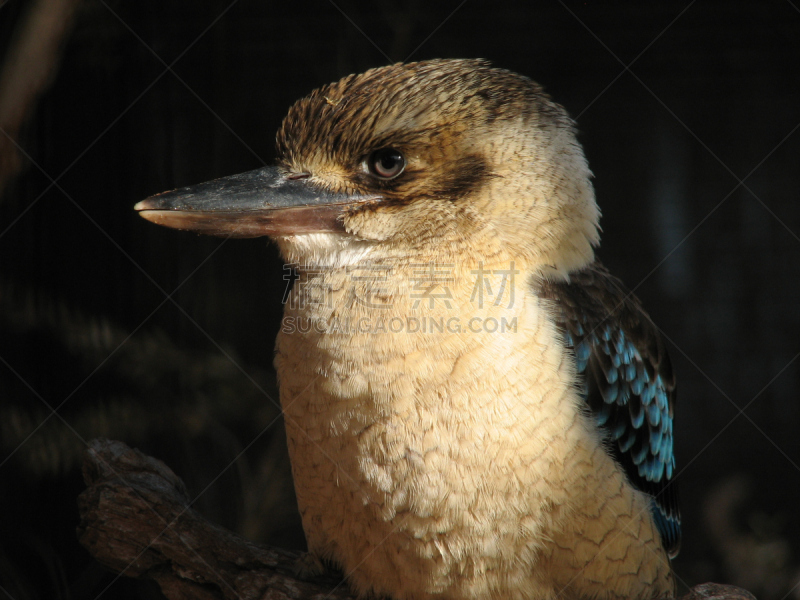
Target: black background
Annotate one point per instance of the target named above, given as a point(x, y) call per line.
point(688, 113)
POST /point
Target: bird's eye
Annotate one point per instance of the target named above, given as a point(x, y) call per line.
point(386, 163)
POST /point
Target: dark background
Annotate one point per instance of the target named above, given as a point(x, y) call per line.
point(688, 113)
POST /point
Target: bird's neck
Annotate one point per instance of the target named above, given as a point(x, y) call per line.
point(376, 343)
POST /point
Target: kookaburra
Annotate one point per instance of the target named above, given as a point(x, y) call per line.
point(475, 408)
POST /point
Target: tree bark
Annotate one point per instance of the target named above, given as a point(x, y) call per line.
point(136, 519)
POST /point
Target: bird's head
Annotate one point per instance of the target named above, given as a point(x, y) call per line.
point(422, 161)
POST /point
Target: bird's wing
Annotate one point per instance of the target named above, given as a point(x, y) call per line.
point(628, 383)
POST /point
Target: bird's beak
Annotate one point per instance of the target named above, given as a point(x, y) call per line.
point(253, 204)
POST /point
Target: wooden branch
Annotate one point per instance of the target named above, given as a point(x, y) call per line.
point(136, 520)
point(717, 591)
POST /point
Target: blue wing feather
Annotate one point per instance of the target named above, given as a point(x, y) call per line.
point(628, 383)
